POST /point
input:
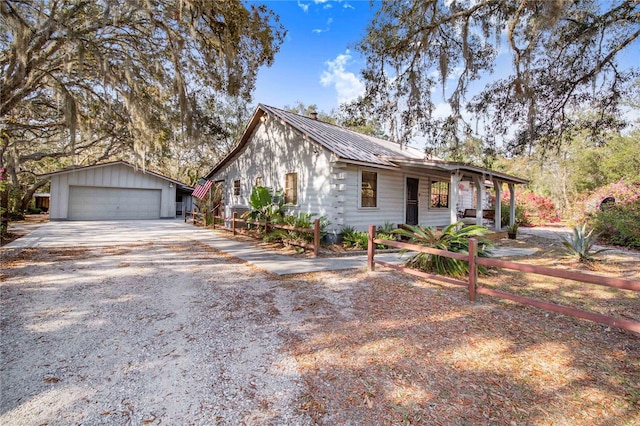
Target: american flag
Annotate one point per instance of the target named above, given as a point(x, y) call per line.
point(201, 190)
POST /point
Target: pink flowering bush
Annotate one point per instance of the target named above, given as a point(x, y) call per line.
point(531, 209)
point(618, 222)
point(540, 208)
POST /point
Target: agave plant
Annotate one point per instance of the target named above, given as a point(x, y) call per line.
point(580, 243)
point(454, 237)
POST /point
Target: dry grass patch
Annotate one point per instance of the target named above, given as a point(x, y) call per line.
point(416, 352)
point(589, 297)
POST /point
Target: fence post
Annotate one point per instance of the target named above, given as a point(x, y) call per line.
point(371, 248)
point(473, 268)
point(316, 237)
point(266, 226)
point(233, 222)
point(185, 215)
point(213, 220)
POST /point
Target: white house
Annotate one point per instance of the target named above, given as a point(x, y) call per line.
point(113, 191)
point(350, 178)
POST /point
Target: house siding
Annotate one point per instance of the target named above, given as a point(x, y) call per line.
point(391, 200)
point(111, 176)
point(273, 150)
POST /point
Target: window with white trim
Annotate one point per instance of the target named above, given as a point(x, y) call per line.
point(291, 189)
point(368, 189)
point(236, 187)
point(439, 194)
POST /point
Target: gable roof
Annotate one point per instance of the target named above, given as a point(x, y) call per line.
point(351, 146)
point(119, 162)
point(346, 144)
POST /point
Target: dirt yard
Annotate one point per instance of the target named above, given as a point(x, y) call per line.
point(174, 332)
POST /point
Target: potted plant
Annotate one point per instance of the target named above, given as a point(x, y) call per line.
point(512, 230)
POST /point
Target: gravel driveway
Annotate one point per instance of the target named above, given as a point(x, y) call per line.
point(130, 323)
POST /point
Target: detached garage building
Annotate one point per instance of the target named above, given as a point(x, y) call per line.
point(116, 191)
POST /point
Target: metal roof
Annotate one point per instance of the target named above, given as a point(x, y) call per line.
point(119, 162)
point(345, 143)
point(349, 145)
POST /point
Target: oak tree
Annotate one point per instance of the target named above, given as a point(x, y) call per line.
point(564, 58)
point(84, 80)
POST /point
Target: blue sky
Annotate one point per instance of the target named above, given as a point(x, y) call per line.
point(316, 63)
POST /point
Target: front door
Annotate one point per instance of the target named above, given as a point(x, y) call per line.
point(412, 201)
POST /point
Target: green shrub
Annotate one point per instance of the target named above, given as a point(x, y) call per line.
point(301, 220)
point(384, 236)
point(352, 238)
point(276, 236)
point(16, 215)
point(265, 204)
point(387, 228)
point(454, 237)
point(521, 214)
point(619, 224)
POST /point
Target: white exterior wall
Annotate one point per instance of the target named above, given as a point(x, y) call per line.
point(325, 186)
point(272, 151)
point(391, 200)
point(109, 176)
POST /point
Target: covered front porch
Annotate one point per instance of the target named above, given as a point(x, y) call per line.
point(461, 177)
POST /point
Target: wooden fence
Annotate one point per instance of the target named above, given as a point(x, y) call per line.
point(315, 231)
point(472, 282)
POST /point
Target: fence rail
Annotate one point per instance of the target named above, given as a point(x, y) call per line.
point(234, 220)
point(472, 281)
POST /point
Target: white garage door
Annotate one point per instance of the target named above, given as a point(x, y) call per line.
point(94, 203)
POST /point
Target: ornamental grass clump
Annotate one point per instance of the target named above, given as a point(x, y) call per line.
point(454, 237)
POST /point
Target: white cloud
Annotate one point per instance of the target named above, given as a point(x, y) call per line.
point(348, 6)
point(318, 30)
point(347, 84)
point(303, 6)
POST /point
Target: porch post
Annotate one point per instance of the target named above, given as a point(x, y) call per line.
point(479, 181)
point(453, 202)
point(512, 204)
point(497, 185)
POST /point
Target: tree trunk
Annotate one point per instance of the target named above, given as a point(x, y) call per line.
point(4, 201)
point(26, 198)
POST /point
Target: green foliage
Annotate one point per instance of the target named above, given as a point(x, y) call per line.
point(600, 165)
point(512, 229)
point(454, 237)
point(619, 224)
point(385, 232)
point(384, 236)
point(580, 243)
point(555, 60)
point(387, 228)
point(521, 215)
point(301, 220)
point(93, 97)
point(265, 205)
point(276, 236)
point(352, 238)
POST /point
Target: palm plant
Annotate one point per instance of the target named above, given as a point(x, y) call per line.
point(454, 237)
point(580, 243)
point(265, 205)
